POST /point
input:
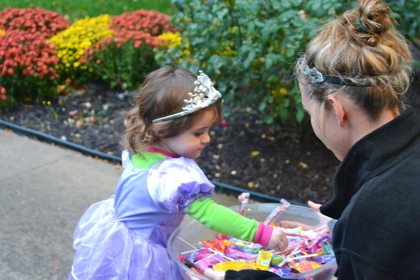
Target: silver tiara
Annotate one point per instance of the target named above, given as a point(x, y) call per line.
point(203, 96)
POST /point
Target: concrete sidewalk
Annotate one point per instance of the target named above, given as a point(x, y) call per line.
point(44, 191)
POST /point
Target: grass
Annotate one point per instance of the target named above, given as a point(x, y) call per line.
point(78, 9)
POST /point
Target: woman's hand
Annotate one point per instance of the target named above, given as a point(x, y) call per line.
point(291, 224)
point(214, 275)
point(314, 206)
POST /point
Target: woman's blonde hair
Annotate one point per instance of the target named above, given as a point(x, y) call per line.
point(362, 46)
point(162, 93)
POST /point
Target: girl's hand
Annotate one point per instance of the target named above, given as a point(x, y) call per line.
point(278, 240)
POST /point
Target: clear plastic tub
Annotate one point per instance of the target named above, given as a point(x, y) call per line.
point(190, 233)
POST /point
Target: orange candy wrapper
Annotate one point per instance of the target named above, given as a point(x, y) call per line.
point(304, 266)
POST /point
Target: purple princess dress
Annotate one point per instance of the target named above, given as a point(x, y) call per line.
point(125, 236)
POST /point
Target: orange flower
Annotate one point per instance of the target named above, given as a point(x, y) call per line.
point(28, 52)
point(38, 21)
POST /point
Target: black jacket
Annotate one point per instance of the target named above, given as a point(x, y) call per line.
point(377, 204)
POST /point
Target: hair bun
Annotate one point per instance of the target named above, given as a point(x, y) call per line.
point(374, 16)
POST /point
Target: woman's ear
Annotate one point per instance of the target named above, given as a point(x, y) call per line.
point(337, 109)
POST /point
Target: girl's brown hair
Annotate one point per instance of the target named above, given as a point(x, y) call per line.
point(162, 93)
point(361, 45)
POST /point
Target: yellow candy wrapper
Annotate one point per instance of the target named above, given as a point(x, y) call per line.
point(234, 265)
point(263, 260)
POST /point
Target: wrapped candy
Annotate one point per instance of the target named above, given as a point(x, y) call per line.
point(264, 260)
point(307, 250)
point(243, 200)
point(277, 211)
point(235, 265)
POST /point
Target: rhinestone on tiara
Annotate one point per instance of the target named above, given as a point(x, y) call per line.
point(203, 96)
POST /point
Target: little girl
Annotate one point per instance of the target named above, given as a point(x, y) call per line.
point(125, 236)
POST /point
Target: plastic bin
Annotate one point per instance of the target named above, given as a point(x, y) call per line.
point(190, 233)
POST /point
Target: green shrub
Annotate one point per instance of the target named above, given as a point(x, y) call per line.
point(406, 13)
point(249, 47)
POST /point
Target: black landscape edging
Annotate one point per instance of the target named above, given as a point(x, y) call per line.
point(56, 141)
point(220, 187)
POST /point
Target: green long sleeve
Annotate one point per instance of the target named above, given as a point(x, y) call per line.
point(223, 220)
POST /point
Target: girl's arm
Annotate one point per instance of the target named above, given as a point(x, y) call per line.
point(228, 222)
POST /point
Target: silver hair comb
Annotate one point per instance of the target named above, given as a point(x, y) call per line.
point(314, 75)
point(317, 77)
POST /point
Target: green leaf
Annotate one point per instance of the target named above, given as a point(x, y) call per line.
point(250, 58)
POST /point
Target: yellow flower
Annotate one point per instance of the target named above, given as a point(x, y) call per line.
point(279, 91)
point(173, 40)
point(72, 43)
point(283, 91)
point(2, 32)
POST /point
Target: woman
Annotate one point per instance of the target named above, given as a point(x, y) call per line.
point(353, 77)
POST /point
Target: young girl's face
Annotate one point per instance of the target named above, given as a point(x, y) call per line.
point(191, 142)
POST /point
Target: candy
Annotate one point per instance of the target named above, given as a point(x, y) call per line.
point(243, 200)
point(327, 248)
point(237, 253)
point(283, 272)
point(276, 260)
point(217, 245)
point(277, 211)
point(235, 265)
point(209, 261)
point(304, 266)
point(263, 260)
point(323, 259)
point(307, 250)
point(199, 254)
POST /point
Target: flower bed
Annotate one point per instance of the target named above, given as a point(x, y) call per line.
point(43, 55)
